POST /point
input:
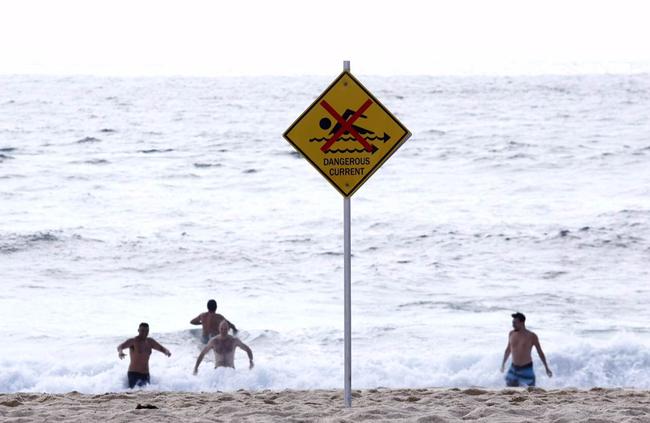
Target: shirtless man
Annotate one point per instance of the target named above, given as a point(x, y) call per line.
point(224, 349)
point(139, 351)
point(210, 321)
point(520, 343)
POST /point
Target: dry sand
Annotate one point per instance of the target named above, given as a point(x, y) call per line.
point(412, 405)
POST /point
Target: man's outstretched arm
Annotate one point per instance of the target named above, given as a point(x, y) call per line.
point(200, 357)
point(232, 325)
point(506, 354)
point(542, 357)
point(156, 346)
point(126, 344)
point(196, 320)
point(245, 347)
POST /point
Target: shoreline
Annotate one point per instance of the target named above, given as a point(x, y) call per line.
point(569, 405)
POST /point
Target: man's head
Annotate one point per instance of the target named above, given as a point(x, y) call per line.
point(224, 327)
point(518, 321)
point(143, 329)
point(212, 305)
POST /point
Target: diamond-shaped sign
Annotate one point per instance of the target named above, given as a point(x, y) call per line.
point(346, 134)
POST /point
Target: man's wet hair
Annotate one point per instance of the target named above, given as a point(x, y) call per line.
point(212, 305)
point(519, 316)
point(143, 324)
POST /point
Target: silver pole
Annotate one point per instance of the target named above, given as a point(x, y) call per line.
point(347, 274)
point(347, 261)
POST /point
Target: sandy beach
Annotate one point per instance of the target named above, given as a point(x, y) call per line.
point(413, 405)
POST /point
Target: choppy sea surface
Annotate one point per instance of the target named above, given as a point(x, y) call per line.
point(129, 200)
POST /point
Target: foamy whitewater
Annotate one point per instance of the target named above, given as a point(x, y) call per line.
point(130, 200)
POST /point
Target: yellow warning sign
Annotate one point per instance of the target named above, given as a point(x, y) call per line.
point(347, 134)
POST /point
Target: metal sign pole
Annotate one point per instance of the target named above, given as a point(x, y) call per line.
point(345, 94)
point(347, 275)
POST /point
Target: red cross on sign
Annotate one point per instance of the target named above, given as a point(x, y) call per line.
point(346, 126)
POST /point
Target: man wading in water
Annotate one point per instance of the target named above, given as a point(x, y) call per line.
point(224, 349)
point(139, 351)
point(210, 321)
point(520, 343)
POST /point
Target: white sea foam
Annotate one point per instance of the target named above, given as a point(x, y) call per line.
point(619, 362)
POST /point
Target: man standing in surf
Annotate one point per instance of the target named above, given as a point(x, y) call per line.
point(224, 349)
point(210, 321)
point(139, 352)
point(520, 343)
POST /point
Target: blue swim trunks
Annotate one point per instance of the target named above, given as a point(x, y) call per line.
point(520, 375)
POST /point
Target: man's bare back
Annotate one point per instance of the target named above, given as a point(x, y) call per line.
point(521, 345)
point(210, 321)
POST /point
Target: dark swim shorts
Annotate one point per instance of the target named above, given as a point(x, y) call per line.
point(521, 375)
point(136, 378)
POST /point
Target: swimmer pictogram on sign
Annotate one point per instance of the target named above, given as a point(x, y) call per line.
point(344, 125)
point(346, 134)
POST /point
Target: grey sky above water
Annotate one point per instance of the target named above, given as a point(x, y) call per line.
point(285, 37)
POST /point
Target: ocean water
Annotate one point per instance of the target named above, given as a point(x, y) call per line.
point(129, 200)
